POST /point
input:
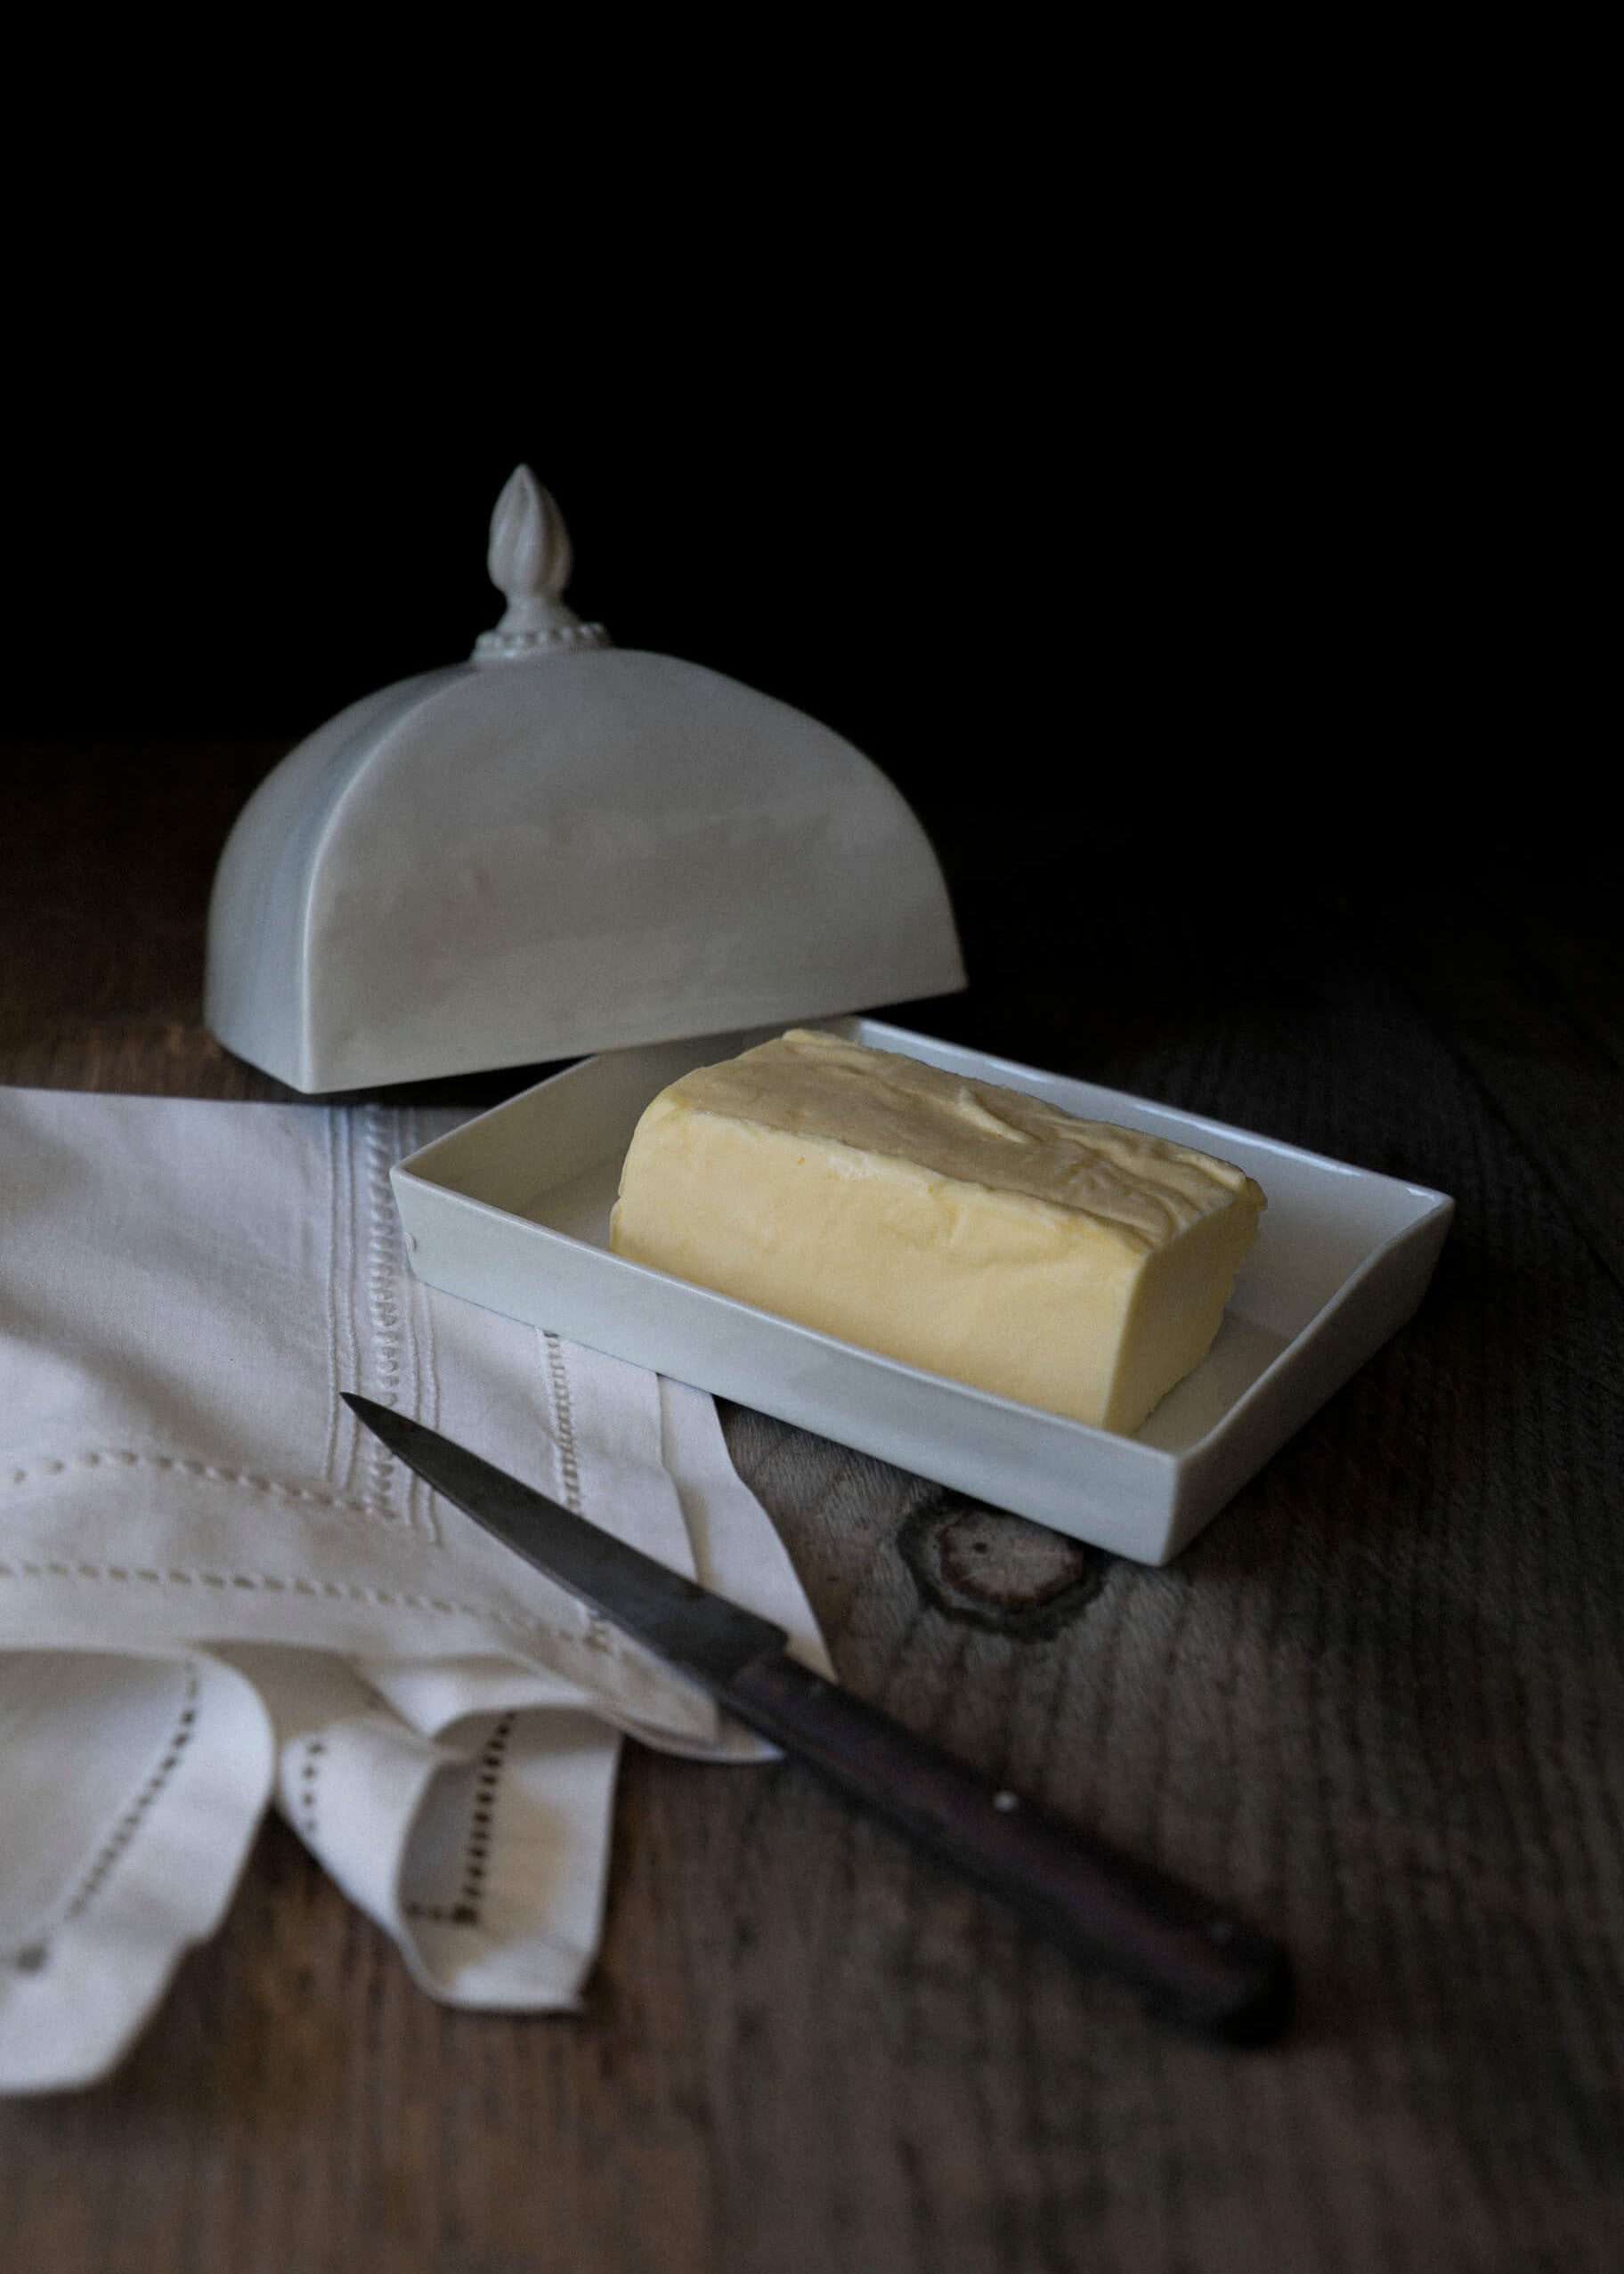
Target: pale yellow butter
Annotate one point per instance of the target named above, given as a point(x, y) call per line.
point(972, 1231)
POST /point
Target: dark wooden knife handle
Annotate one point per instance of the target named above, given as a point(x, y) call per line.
point(1191, 1961)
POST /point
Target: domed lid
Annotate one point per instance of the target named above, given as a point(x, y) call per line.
point(560, 847)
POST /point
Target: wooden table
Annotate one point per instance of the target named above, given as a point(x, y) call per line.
point(1379, 1703)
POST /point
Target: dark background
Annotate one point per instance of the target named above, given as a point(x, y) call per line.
point(1212, 547)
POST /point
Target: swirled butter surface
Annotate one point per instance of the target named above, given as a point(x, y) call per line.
point(973, 1230)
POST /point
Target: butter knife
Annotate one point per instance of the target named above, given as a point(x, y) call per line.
point(1191, 1961)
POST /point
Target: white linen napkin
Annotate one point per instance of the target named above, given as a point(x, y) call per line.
point(215, 1587)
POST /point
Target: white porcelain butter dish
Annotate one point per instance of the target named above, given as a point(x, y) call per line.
point(512, 1211)
point(560, 847)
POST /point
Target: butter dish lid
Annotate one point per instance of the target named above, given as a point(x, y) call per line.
point(560, 848)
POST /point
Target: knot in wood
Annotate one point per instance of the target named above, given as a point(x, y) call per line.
point(999, 1572)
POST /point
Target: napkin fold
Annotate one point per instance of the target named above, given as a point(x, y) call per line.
point(216, 1589)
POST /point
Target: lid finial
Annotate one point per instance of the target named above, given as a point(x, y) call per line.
point(530, 563)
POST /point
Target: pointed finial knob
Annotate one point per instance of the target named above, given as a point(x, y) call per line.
point(529, 562)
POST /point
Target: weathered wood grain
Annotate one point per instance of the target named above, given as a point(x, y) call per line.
point(1380, 1704)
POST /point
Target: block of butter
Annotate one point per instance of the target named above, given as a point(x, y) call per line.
point(969, 1229)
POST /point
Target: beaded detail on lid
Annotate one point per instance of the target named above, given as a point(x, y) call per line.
point(530, 561)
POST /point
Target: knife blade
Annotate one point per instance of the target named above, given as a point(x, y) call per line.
point(1191, 1961)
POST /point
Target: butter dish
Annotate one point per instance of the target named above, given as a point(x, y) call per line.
point(559, 846)
point(512, 1212)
